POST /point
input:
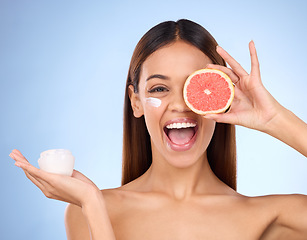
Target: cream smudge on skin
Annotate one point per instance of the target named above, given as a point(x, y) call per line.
point(155, 102)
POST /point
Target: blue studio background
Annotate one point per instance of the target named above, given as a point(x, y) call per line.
point(63, 66)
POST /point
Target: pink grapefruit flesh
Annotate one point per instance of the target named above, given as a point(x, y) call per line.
point(208, 91)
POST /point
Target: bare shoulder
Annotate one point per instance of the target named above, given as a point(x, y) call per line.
point(75, 224)
point(287, 214)
point(114, 199)
point(284, 207)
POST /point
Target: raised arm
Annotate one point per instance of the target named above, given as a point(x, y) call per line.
point(254, 107)
point(290, 129)
point(77, 190)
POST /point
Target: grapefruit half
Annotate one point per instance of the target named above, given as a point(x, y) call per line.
point(208, 91)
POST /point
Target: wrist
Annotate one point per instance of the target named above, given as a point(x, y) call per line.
point(278, 122)
point(93, 199)
point(96, 215)
point(290, 129)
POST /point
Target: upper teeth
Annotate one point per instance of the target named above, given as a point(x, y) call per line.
point(180, 125)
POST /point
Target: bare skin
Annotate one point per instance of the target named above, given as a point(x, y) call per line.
point(179, 197)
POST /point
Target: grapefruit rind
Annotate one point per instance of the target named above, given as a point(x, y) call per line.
point(224, 76)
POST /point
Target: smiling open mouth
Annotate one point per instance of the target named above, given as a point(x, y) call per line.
point(181, 134)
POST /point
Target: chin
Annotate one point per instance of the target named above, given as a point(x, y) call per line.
point(184, 160)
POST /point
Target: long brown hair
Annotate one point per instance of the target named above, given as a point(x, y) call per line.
point(137, 156)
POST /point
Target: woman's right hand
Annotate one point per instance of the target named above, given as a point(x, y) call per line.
point(77, 189)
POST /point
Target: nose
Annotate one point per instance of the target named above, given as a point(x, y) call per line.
point(177, 103)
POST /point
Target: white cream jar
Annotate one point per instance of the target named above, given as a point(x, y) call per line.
point(59, 161)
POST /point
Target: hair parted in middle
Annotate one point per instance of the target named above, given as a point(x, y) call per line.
point(137, 155)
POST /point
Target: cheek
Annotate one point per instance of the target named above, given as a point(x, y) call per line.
point(153, 102)
point(209, 130)
point(153, 111)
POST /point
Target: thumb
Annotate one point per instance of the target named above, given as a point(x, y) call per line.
point(221, 117)
point(78, 175)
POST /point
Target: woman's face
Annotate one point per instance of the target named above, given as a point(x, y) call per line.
point(178, 135)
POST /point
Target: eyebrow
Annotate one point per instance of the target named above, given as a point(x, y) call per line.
point(163, 77)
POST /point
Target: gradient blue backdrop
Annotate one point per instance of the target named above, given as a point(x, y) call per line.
point(63, 66)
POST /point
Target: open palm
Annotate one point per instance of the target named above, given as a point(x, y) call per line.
point(75, 189)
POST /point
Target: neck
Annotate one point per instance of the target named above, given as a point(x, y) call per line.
point(181, 183)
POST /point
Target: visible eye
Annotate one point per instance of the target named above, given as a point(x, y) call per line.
point(158, 89)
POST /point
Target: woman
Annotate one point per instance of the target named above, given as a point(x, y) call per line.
point(180, 183)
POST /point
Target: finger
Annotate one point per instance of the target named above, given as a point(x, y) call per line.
point(239, 96)
point(33, 171)
point(16, 151)
point(228, 117)
point(80, 176)
point(42, 185)
point(255, 69)
point(29, 169)
point(234, 78)
point(40, 178)
point(17, 156)
point(236, 67)
point(37, 182)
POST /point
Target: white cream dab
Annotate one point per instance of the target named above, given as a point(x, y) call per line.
point(155, 102)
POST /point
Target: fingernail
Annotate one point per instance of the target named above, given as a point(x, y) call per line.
point(219, 49)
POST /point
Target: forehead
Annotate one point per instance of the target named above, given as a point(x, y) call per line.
point(178, 58)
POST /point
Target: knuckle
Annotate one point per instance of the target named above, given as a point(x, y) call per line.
point(48, 194)
point(51, 182)
point(52, 192)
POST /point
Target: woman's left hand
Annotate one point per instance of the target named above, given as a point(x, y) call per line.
point(253, 106)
